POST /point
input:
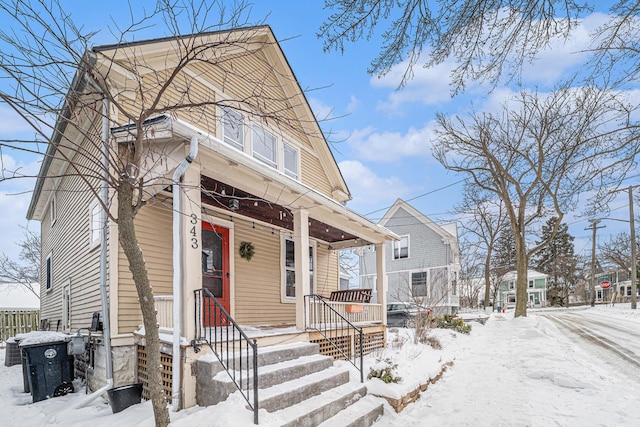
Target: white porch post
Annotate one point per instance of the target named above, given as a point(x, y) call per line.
point(381, 276)
point(192, 252)
point(191, 277)
point(301, 255)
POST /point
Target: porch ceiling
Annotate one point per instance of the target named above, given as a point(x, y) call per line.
point(221, 195)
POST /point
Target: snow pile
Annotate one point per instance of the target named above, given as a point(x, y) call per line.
point(40, 337)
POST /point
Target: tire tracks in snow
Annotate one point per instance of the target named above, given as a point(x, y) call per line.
point(601, 335)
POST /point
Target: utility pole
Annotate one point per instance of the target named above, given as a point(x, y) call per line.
point(634, 277)
point(594, 227)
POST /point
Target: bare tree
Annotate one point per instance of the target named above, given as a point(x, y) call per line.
point(485, 218)
point(472, 269)
point(617, 252)
point(538, 153)
point(59, 85)
point(486, 39)
point(26, 272)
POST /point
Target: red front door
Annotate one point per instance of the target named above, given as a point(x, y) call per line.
point(215, 270)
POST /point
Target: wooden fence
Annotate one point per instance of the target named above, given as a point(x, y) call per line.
point(13, 322)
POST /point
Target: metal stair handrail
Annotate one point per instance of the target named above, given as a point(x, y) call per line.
point(221, 336)
point(322, 317)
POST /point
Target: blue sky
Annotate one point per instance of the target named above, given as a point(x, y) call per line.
point(381, 136)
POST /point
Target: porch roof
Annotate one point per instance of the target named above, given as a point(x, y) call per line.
point(243, 178)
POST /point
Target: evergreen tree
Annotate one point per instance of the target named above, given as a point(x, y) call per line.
point(558, 261)
point(504, 253)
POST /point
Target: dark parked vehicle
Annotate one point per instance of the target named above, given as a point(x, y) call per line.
point(404, 314)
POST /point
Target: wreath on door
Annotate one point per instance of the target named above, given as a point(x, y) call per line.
point(247, 250)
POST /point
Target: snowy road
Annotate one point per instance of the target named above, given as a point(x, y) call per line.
point(615, 341)
point(546, 369)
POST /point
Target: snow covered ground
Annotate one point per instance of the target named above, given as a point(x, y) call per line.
point(509, 372)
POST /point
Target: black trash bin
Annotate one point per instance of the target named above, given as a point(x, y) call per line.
point(49, 368)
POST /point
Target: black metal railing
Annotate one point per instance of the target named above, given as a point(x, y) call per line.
point(236, 352)
point(344, 336)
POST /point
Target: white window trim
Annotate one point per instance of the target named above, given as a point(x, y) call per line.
point(393, 248)
point(66, 316)
point(53, 209)
point(48, 268)
point(94, 239)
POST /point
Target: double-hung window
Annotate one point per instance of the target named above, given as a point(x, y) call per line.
point(290, 160)
point(401, 248)
point(233, 128)
point(264, 145)
point(419, 284)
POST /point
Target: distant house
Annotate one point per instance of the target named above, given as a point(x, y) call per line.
point(613, 286)
point(536, 289)
point(423, 265)
point(263, 215)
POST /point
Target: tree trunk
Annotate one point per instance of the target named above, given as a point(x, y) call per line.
point(522, 264)
point(487, 280)
point(129, 243)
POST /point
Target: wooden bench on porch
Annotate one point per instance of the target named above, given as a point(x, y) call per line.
point(351, 295)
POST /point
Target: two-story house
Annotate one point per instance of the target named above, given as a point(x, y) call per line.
point(248, 232)
point(423, 266)
point(536, 289)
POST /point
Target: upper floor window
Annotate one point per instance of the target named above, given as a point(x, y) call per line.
point(401, 248)
point(290, 160)
point(531, 283)
point(94, 223)
point(53, 209)
point(511, 285)
point(233, 128)
point(264, 145)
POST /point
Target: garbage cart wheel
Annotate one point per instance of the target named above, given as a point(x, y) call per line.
point(63, 389)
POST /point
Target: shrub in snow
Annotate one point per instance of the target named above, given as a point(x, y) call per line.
point(434, 342)
point(384, 369)
point(451, 321)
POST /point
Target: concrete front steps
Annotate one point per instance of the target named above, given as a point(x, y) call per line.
point(298, 386)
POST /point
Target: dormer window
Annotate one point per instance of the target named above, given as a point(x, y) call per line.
point(264, 145)
point(290, 160)
point(233, 128)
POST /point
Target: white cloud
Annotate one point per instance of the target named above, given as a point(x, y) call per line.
point(368, 144)
point(429, 86)
point(369, 189)
point(12, 123)
point(321, 110)
point(354, 104)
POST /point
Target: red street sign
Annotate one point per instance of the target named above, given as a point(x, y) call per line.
point(605, 284)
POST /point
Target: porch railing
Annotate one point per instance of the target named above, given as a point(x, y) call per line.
point(334, 327)
point(236, 352)
point(164, 311)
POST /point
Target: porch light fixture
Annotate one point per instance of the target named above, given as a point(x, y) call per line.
point(234, 204)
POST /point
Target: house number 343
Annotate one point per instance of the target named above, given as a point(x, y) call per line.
point(194, 232)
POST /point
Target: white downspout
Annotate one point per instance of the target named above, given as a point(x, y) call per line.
point(104, 197)
point(177, 269)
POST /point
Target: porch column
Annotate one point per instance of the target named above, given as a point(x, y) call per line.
point(191, 231)
point(301, 256)
point(191, 225)
point(381, 279)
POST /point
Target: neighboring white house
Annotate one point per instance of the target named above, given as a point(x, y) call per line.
point(424, 264)
point(536, 289)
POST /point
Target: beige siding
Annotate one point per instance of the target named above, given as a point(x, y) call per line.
point(313, 175)
point(258, 283)
point(73, 260)
point(326, 270)
point(154, 232)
